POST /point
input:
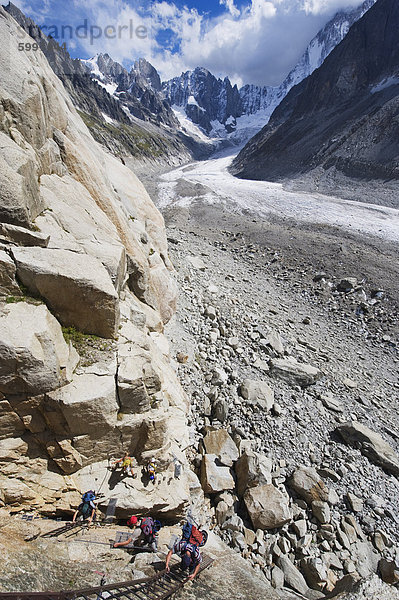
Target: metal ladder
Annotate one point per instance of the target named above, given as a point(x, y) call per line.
point(159, 587)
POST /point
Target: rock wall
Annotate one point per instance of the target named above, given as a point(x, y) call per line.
point(85, 288)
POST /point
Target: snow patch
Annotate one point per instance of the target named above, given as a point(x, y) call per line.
point(192, 100)
point(92, 65)
point(385, 83)
point(190, 127)
point(106, 118)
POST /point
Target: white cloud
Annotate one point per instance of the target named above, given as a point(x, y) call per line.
point(233, 10)
point(328, 6)
point(117, 28)
point(257, 44)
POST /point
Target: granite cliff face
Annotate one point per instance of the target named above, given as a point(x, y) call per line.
point(86, 288)
point(340, 121)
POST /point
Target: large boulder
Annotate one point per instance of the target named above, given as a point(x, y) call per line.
point(221, 444)
point(293, 372)
point(268, 508)
point(371, 444)
point(257, 393)
point(23, 236)
point(88, 406)
point(77, 288)
point(34, 357)
point(308, 485)
point(252, 469)
point(20, 200)
point(137, 383)
point(215, 478)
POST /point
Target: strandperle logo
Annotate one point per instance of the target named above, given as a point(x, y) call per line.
point(86, 31)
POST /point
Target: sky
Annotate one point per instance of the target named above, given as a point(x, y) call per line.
point(250, 41)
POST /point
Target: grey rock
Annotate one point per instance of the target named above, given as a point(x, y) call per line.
point(34, 357)
point(196, 262)
point(273, 343)
point(315, 572)
point(331, 403)
point(23, 236)
point(221, 445)
point(252, 469)
point(300, 527)
point(268, 508)
point(221, 410)
point(215, 478)
point(77, 287)
point(371, 444)
point(308, 485)
point(257, 393)
point(321, 511)
point(293, 372)
point(234, 523)
point(277, 578)
point(292, 576)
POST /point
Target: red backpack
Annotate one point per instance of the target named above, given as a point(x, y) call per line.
point(196, 537)
point(147, 526)
point(193, 535)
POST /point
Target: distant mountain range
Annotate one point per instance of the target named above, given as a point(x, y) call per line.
point(341, 121)
point(192, 110)
point(211, 102)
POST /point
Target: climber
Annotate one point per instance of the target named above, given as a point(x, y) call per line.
point(152, 470)
point(145, 528)
point(126, 464)
point(190, 557)
point(86, 509)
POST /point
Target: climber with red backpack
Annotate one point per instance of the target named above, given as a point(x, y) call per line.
point(188, 549)
point(145, 530)
point(190, 557)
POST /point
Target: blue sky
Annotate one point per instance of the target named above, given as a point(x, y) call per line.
point(251, 41)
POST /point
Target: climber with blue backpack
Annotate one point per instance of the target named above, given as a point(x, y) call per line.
point(86, 509)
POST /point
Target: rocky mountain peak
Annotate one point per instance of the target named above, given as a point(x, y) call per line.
point(148, 73)
point(107, 66)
